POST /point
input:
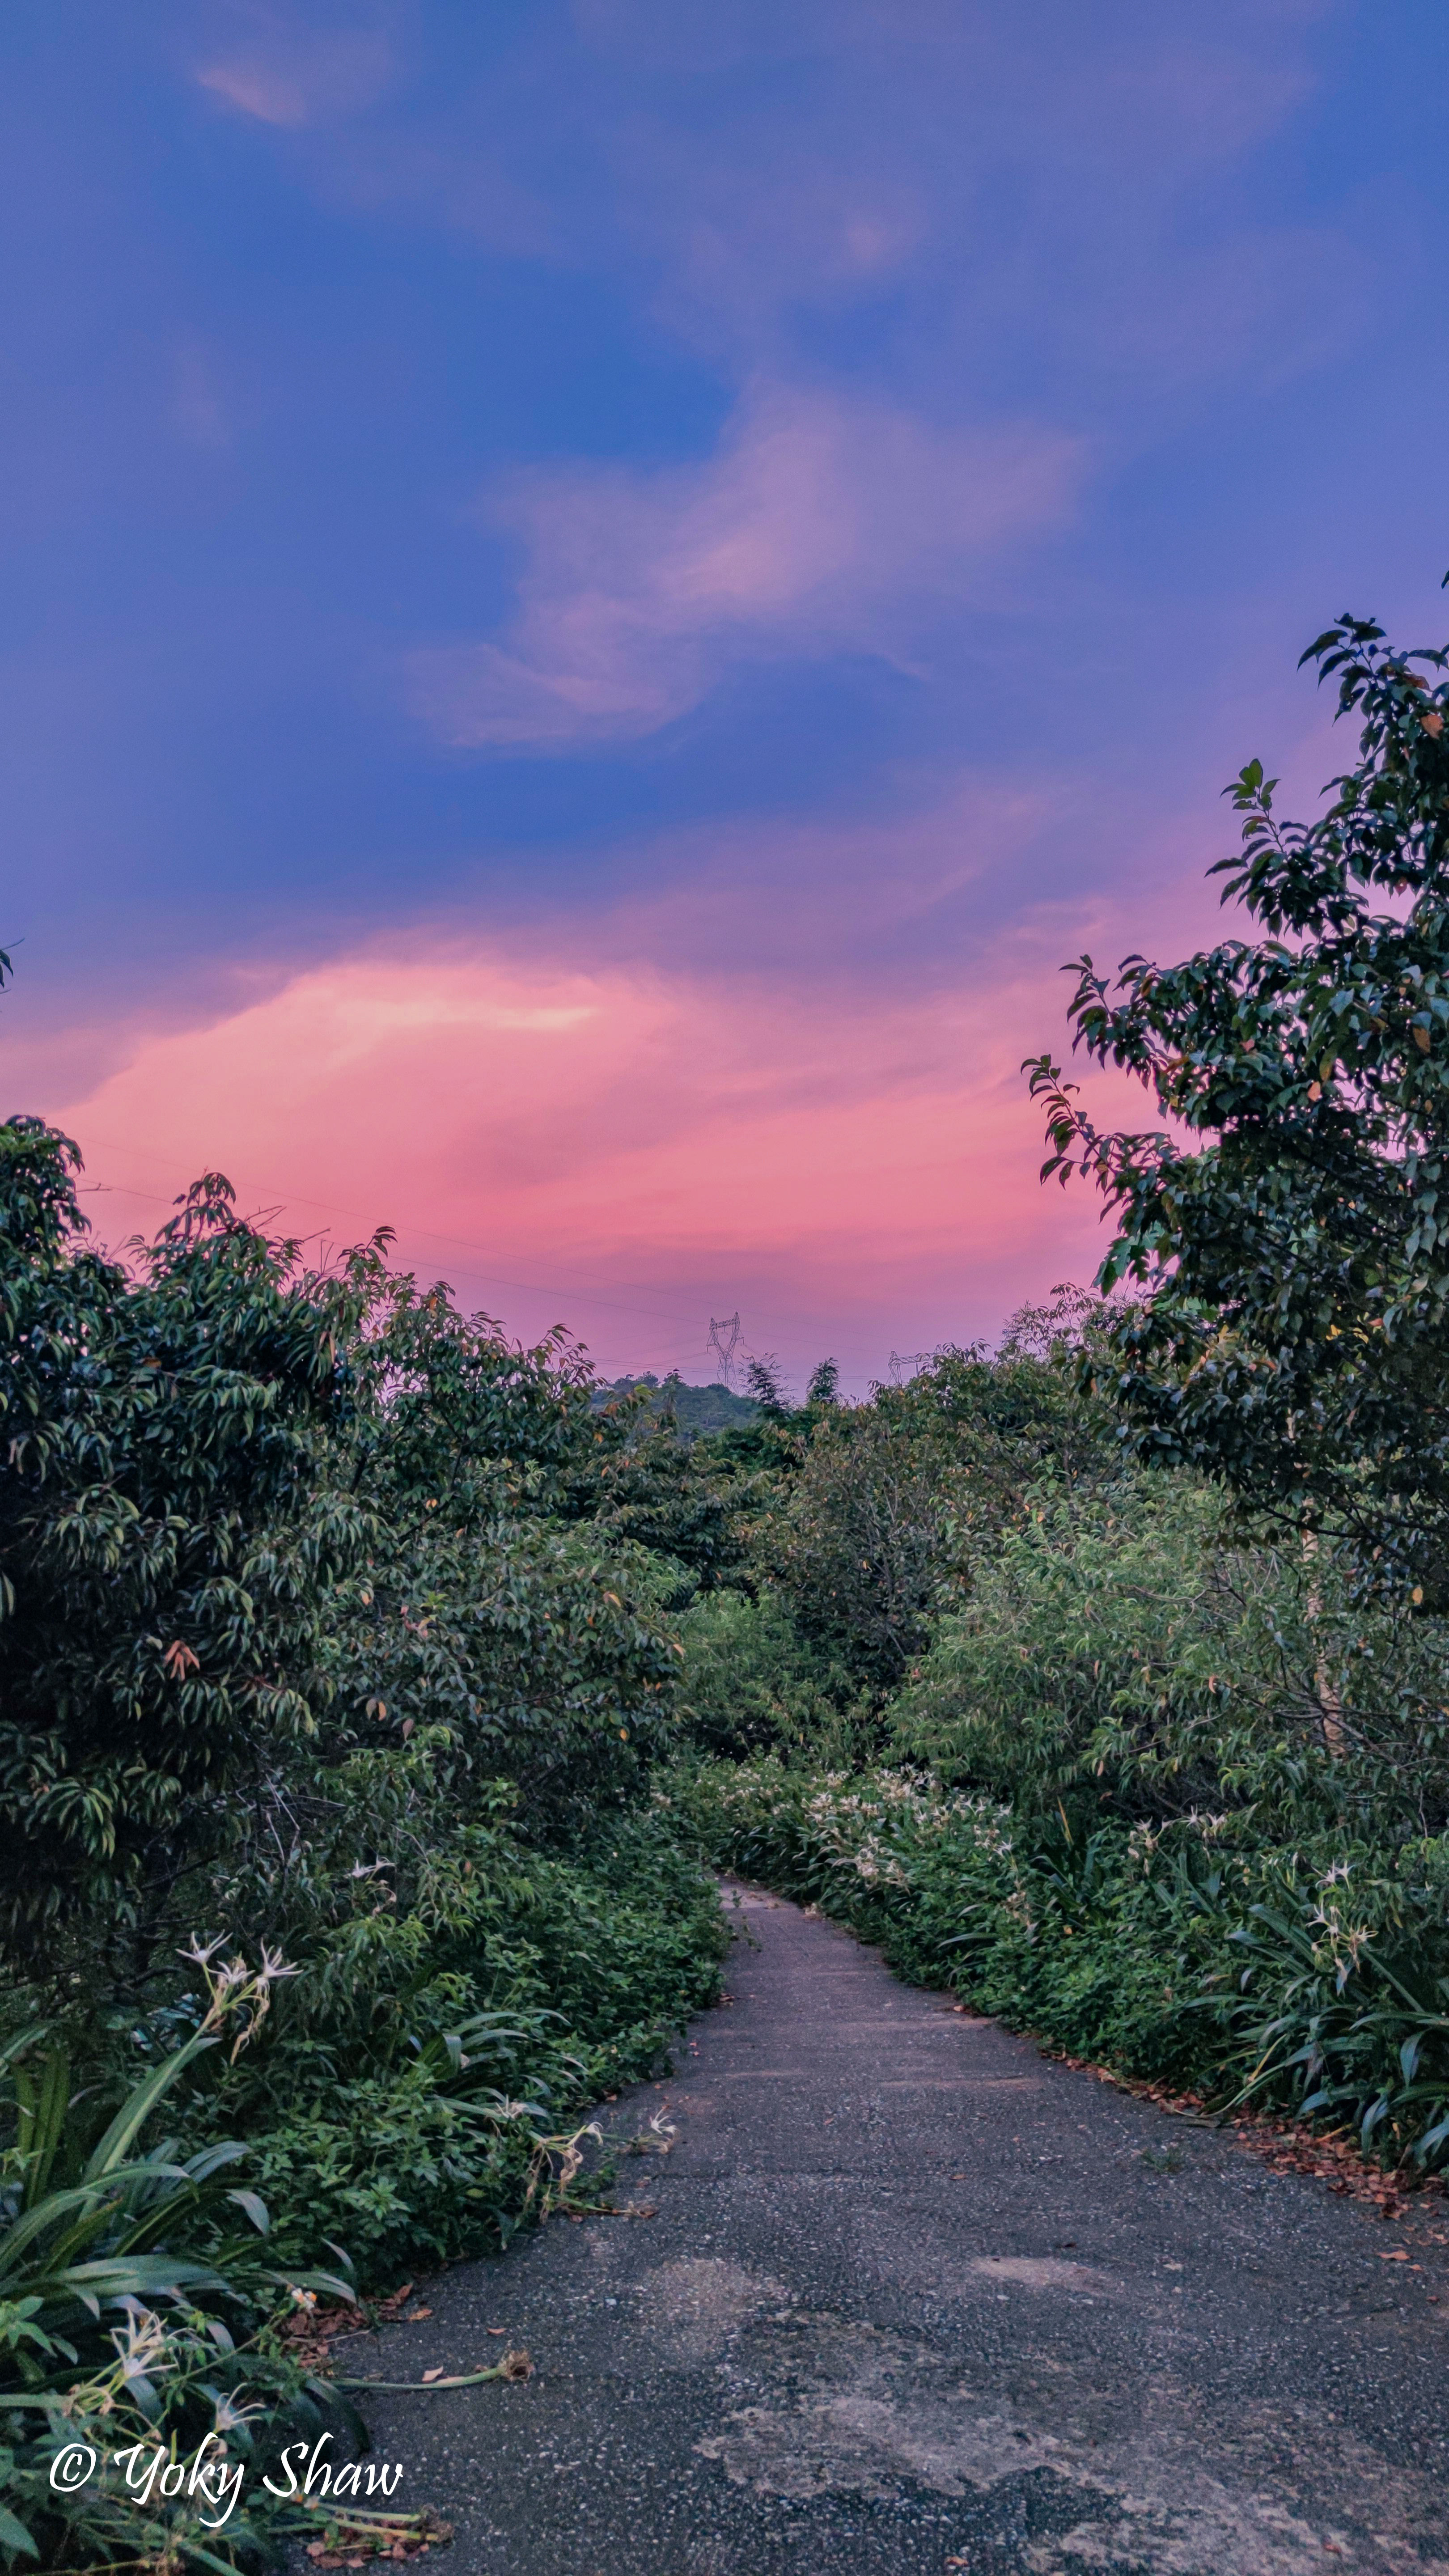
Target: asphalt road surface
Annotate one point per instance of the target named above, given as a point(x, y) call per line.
point(915, 2298)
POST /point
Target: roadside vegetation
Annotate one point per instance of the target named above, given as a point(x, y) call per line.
point(340, 1651)
point(380, 1697)
point(1106, 1678)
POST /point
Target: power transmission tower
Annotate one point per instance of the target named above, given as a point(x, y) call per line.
point(904, 1364)
point(723, 1341)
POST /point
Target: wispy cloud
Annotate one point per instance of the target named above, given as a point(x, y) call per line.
point(284, 72)
point(971, 177)
point(823, 525)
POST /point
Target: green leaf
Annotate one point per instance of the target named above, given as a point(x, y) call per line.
point(14, 2536)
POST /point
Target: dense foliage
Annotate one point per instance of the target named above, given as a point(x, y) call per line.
point(335, 1622)
point(1157, 1787)
point(163, 1547)
point(139, 2307)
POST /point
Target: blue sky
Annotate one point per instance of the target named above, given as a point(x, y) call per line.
point(776, 520)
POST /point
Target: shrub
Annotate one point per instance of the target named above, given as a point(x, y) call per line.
point(751, 1680)
point(458, 2005)
point(1305, 1980)
point(1129, 1645)
point(135, 2290)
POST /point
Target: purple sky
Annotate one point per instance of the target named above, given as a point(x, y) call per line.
point(595, 598)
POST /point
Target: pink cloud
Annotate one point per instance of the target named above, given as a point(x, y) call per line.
point(254, 89)
point(822, 525)
point(624, 1148)
point(286, 74)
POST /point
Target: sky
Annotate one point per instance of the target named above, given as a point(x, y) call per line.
point(596, 598)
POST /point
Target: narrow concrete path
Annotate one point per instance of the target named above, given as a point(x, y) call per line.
point(914, 2298)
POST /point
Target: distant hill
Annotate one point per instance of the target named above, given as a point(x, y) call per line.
point(696, 1408)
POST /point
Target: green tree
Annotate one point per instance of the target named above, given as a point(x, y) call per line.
point(892, 1495)
point(162, 1542)
point(1124, 1649)
point(1288, 1239)
point(527, 1543)
point(765, 1380)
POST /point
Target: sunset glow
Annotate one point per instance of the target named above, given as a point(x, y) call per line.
point(625, 1153)
point(599, 596)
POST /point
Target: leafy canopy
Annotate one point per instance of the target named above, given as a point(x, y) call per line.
point(1289, 1234)
point(162, 1547)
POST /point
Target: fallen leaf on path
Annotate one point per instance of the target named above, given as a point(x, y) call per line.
point(1283, 2145)
point(433, 2374)
point(349, 2540)
point(388, 2310)
point(415, 2316)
